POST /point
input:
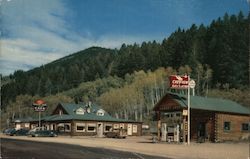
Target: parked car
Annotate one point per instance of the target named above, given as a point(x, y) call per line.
point(19, 132)
point(5, 130)
point(9, 131)
point(119, 135)
point(42, 133)
point(36, 129)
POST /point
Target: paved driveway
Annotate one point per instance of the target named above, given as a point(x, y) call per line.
point(144, 145)
point(21, 149)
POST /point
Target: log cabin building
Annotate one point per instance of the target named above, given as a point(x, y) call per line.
point(83, 120)
point(212, 119)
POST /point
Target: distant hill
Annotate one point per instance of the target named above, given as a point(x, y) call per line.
point(222, 46)
point(62, 74)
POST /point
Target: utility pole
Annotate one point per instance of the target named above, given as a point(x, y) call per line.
point(189, 111)
point(248, 1)
point(249, 43)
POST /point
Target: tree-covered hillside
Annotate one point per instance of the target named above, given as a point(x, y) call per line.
point(217, 55)
point(131, 98)
point(223, 46)
point(60, 75)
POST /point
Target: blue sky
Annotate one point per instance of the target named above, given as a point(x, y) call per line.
point(35, 32)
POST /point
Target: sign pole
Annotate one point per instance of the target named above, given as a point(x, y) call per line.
point(184, 82)
point(39, 118)
point(39, 106)
point(188, 111)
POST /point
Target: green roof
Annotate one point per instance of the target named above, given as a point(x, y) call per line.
point(86, 117)
point(212, 104)
point(23, 120)
point(71, 108)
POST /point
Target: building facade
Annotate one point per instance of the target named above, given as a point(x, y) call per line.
point(83, 120)
point(211, 119)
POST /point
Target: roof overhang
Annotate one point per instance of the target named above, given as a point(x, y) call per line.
point(169, 102)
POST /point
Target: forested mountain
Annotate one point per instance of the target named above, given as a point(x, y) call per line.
point(217, 55)
point(223, 46)
point(60, 75)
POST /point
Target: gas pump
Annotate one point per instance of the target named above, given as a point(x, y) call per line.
point(164, 132)
point(177, 133)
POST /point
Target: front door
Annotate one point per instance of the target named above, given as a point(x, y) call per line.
point(100, 129)
point(129, 129)
point(201, 131)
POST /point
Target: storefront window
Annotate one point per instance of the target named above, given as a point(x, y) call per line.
point(245, 127)
point(91, 127)
point(80, 127)
point(178, 114)
point(227, 126)
point(64, 127)
point(67, 127)
point(108, 127)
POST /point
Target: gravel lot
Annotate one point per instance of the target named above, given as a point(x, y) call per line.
point(144, 145)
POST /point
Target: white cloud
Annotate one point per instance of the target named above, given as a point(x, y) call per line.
point(17, 50)
point(46, 14)
point(24, 53)
point(35, 32)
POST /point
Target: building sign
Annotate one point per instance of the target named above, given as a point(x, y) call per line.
point(185, 112)
point(39, 109)
point(39, 105)
point(178, 82)
point(192, 84)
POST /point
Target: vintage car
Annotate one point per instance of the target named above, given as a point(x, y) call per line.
point(121, 134)
point(42, 133)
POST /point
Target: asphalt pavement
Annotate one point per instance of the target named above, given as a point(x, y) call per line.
point(21, 149)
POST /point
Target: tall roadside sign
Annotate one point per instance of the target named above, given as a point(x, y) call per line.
point(183, 82)
point(39, 106)
point(178, 82)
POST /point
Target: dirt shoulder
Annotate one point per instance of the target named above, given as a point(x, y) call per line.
point(144, 145)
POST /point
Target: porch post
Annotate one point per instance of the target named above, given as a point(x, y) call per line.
point(72, 128)
point(159, 125)
point(39, 118)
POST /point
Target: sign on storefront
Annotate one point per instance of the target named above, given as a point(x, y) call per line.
point(185, 112)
